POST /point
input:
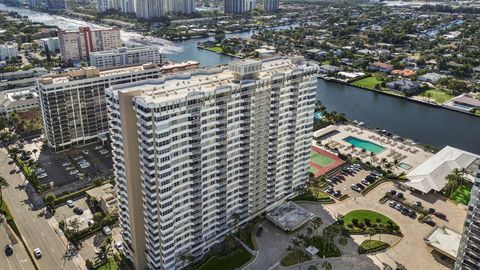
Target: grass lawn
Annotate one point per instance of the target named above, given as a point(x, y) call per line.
point(361, 215)
point(232, 261)
point(325, 250)
point(369, 82)
point(313, 195)
point(462, 194)
point(110, 265)
point(321, 160)
point(216, 49)
point(369, 246)
point(8, 216)
point(437, 95)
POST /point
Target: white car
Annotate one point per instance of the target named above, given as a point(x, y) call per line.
point(103, 152)
point(98, 147)
point(85, 152)
point(77, 157)
point(118, 245)
point(84, 166)
point(43, 175)
point(73, 172)
point(70, 203)
point(82, 161)
point(40, 171)
point(65, 164)
point(37, 252)
point(69, 168)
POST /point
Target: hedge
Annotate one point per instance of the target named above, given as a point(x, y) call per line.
point(70, 196)
point(8, 216)
point(419, 209)
point(74, 237)
point(28, 173)
point(374, 185)
point(371, 246)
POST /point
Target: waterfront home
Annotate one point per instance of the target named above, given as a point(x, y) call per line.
point(328, 69)
point(464, 102)
point(405, 86)
point(431, 77)
point(380, 66)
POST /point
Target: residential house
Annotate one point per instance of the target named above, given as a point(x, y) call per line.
point(380, 66)
point(405, 86)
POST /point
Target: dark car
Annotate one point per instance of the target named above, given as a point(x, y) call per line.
point(417, 203)
point(431, 210)
point(430, 222)
point(337, 193)
point(78, 210)
point(360, 186)
point(340, 176)
point(440, 215)
point(259, 232)
point(8, 250)
point(329, 190)
point(399, 195)
point(393, 192)
point(370, 178)
point(365, 182)
point(13, 171)
point(405, 211)
point(10, 162)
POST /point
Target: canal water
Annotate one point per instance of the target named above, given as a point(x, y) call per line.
point(426, 124)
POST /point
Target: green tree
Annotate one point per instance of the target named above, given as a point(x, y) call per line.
point(3, 184)
point(50, 199)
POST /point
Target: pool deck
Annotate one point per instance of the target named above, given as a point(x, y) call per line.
point(403, 151)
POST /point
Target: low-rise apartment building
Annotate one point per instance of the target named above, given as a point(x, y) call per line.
point(125, 56)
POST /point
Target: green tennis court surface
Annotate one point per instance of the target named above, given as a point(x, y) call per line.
point(313, 170)
point(321, 160)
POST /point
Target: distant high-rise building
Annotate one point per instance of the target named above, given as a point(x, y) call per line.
point(181, 6)
point(192, 149)
point(8, 50)
point(150, 9)
point(55, 4)
point(271, 5)
point(125, 56)
point(78, 44)
point(469, 251)
point(124, 6)
point(238, 6)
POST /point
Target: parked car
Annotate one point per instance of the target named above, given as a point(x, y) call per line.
point(85, 152)
point(412, 214)
point(103, 152)
point(405, 211)
point(399, 195)
point(330, 182)
point(39, 171)
point(65, 164)
point(10, 162)
point(362, 187)
point(329, 190)
point(84, 166)
point(393, 192)
point(118, 245)
point(377, 173)
point(43, 175)
point(73, 172)
point(340, 176)
point(337, 193)
point(106, 230)
point(78, 157)
point(98, 147)
point(392, 204)
point(78, 210)
point(70, 203)
point(91, 222)
point(440, 215)
point(259, 232)
point(69, 168)
point(431, 210)
point(356, 188)
point(399, 207)
point(38, 253)
point(418, 203)
point(365, 182)
point(430, 222)
point(370, 178)
point(8, 250)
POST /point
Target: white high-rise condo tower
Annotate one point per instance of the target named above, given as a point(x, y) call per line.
point(192, 149)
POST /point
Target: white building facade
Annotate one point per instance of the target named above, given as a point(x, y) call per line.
point(191, 149)
point(125, 56)
point(8, 50)
point(51, 43)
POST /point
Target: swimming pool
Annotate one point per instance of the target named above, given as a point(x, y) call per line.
point(369, 146)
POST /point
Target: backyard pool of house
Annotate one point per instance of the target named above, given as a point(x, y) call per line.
point(363, 144)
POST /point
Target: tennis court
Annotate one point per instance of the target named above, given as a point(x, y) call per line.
point(322, 162)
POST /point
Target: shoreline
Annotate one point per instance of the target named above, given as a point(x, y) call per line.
point(333, 80)
point(220, 53)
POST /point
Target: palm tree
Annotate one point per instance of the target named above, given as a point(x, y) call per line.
point(326, 265)
point(372, 156)
point(104, 250)
point(74, 224)
point(317, 223)
point(3, 184)
point(296, 243)
point(396, 164)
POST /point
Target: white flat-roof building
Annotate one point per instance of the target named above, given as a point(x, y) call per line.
point(18, 100)
point(431, 174)
point(125, 56)
point(51, 43)
point(444, 240)
point(8, 50)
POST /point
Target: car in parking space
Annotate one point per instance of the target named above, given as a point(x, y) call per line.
point(329, 190)
point(431, 210)
point(90, 222)
point(39, 171)
point(430, 222)
point(38, 253)
point(337, 193)
point(74, 172)
point(340, 176)
point(119, 245)
point(70, 203)
point(356, 188)
point(41, 176)
point(392, 204)
point(84, 166)
point(10, 162)
point(440, 215)
point(330, 182)
point(103, 151)
point(377, 173)
point(412, 214)
point(399, 207)
point(106, 230)
point(393, 192)
point(370, 177)
point(98, 147)
point(67, 163)
point(13, 171)
point(8, 250)
point(77, 157)
point(360, 186)
point(259, 232)
point(365, 182)
point(405, 211)
point(399, 195)
point(78, 210)
point(85, 152)
point(69, 168)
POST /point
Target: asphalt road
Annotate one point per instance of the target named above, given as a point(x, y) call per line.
point(34, 228)
point(19, 259)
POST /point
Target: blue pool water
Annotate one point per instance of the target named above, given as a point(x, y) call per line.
point(369, 146)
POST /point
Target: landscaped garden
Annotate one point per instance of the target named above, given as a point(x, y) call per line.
point(462, 194)
point(370, 246)
point(369, 82)
point(366, 221)
point(110, 265)
point(313, 194)
point(233, 260)
point(325, 249)
point(294, 257)
point(437, 95)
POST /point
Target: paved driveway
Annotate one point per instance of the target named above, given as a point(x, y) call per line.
point(19, 259)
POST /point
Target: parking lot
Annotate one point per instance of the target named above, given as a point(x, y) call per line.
point(75, 167)
point(343, 181)
point(66, 212)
